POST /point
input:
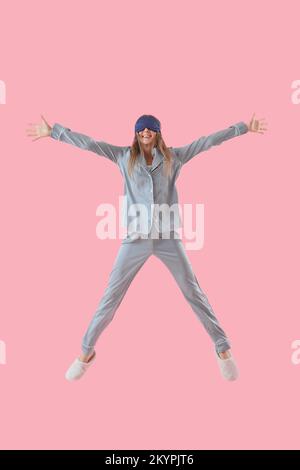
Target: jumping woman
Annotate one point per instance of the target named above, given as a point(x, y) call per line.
point(150, 170)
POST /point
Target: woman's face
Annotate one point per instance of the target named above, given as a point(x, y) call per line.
point(147, 137)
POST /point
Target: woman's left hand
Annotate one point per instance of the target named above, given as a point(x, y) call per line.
point(257, 125)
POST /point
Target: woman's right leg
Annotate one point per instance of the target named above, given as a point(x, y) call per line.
point(129, 260)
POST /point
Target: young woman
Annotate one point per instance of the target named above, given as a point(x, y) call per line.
point(149, 169)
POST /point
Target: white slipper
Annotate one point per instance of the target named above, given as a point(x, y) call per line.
point(78, 368)
point(228, 367)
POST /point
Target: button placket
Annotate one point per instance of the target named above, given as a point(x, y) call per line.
point(152, 201)
point(151, 191)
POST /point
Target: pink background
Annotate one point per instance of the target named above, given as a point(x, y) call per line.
point(200, 67)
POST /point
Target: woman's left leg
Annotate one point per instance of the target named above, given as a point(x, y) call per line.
point(172, 253)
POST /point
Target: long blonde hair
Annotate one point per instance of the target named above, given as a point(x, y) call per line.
point(136, 149)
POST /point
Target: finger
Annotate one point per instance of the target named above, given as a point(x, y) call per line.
point(253, 117)
point(44, 120)
point(36, 139)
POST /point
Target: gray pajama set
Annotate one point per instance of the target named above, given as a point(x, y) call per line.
point(148, 188)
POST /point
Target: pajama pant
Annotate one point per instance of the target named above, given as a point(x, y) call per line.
point(130, 258)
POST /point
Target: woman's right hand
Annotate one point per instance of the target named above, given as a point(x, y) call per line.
point(39, 130)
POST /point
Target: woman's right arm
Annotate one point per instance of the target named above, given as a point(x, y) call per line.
point(64, 134)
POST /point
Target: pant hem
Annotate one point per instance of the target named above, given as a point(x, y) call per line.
point(222, 347)
point(87, 349)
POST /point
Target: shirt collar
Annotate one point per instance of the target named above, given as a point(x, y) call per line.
point(157, 158)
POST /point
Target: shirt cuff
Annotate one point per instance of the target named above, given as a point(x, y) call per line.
point(240, 128)
point(57, 130)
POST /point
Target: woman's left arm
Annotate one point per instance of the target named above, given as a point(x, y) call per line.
point(189, 151)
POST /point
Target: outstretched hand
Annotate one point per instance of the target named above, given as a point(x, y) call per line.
point(257, 125)
point(39, 130)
